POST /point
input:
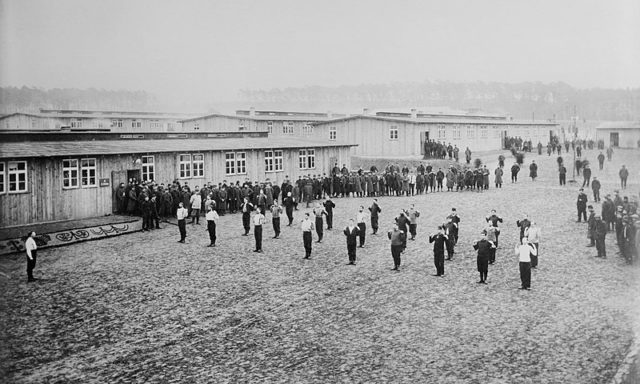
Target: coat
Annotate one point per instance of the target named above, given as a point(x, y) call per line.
point(499, 172)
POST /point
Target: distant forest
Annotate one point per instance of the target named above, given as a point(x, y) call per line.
point(520, 100)
point(27, 99)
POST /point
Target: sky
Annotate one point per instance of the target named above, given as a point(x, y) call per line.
point(212, 49)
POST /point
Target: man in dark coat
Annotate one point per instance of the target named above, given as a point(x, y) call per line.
point(581, 204)
point(586, 174)
point(438, 239)
point(595, 186)
point(515, 168)
point(483, 246)
point(523, 225)
point(351, 232)
point(600, 234)
point(375, 212)
point(591, 227)
point(246, 209)
point(533, 170)
point(289, 203)
point(398, 238)
point(328, 206)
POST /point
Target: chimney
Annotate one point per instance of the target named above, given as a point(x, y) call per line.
point(252, 111)
point(365, 111)
point(414, 113)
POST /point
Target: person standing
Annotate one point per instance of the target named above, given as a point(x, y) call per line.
point(196, 202)
point(449, 228)
point(623, 173)
point(276, 211)
point(307, 227)
point(328, 206)
point(595, 186)
point(523, 225)
point(484, 248)
point(499, 173)
point(397, 238)
point(581, 204)
point(182, 213)
point(212, 219)
point(533, 234)
point(375, 212)
point(491, 235)
point(515, 168)
point(524, 252)
point(289, 203)
point(601, 160)
point(403, 221)
point(318, 211)
point(361, 218)
point(586, 174)
point(246, 209)
point(413, 221)
point(600, 234)
point(258, 220)
point(453, 216)
point(533, 170)
point(562, 174)
point(31, 248)
point(494, 219)
point(591, 227)
point(438, 239)
point(351, 232)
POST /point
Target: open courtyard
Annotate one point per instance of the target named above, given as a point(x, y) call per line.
point(144, 308)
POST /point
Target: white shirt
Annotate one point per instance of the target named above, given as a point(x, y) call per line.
point(360, 217)
point(30, 245)
point(307, 225)
point(524, 251)
point(258, 219)
point(212, 216)
point(533, 234)
point(182, 213)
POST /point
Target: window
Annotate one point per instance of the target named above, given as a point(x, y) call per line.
point(442, 132)
point(116, 123)
point(88, 172)
point(484, 132)
point(148, 168)
point(170, 127)
point(471, 132)
point(393, 132)
point(333, 133)
point(76, 123)
point(277, 160)
point(270, 127)
point(456, 132)
point(136, 124)
point(70, 173)
point(307, 158)
point(17, 176)
point(307, 129)
point(242, 126)
point(155, 125)
point(287, 127)
point(235, 163)
point(185, 166)
point(198, 165)
point(272, 161)
point(496, 131)
point(2, 179)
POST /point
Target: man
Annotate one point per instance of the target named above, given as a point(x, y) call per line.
point(524, 252)
point(533, 170)
point(246, 209)
point(307, 226)
point(121, 198)
point(258, 220)
point(155, 217)
point(402, 220)
point(453, 216)
point(449, 229)
point(586, 174)
point(533, 234)
point(608, 212)
point(276, 211)
point(413, 221)
point(484, 248)
point(328, 206)
point(601, 160)
point(595, 186)
point(591, 227)
point(494, 219)
point(318, 211)
point(467, 155)
point(212, 218)
point(600, 234)
point(351, 232)
point(375, 212)
point(562, 174)
point(196, 202)
point(397, 238)
point(182, 213)
point(515, 168)
point(361, 217)
point(289, 204)
point(624, 173)
point(523, 224)
point(491, 235)
point(31, 248)
point(438, 239)
point(609, 153)
point(146, 214)
point(581, 204)
point(499, 173)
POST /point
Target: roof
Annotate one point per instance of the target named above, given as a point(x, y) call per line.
point(434, 120)
point(18, 114)
point(117, 147)
point(269, 116)
point(619, 125)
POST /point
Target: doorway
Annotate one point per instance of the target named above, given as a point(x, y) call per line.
point(424, 138)
point(614, 139)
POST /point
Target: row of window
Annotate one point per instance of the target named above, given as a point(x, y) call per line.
point(76, 173)
point(117, 123)
point(13, 177)
point(455, 132)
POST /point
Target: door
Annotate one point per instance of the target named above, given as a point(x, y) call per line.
point(614, 139)
point(424, 137)
point(117, 177)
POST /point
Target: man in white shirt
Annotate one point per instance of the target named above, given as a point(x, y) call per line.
point(307, 227)
point(533, 234)
point(258, 220)
point(524, 252)
point(32, 251)
point(212, 219)
point(182, 215)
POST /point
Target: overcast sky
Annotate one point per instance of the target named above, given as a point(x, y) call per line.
point(212, 49)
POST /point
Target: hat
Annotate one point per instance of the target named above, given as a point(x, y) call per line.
point(581, 189)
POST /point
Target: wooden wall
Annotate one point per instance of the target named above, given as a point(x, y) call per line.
point(47, 201)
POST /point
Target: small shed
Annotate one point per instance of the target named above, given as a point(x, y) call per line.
point(619, 134)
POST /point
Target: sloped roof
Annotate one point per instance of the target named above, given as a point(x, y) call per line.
point(117, 147)
point(437, 120)
point(619, 125)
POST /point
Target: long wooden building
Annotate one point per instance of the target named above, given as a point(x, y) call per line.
point(54, 177)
